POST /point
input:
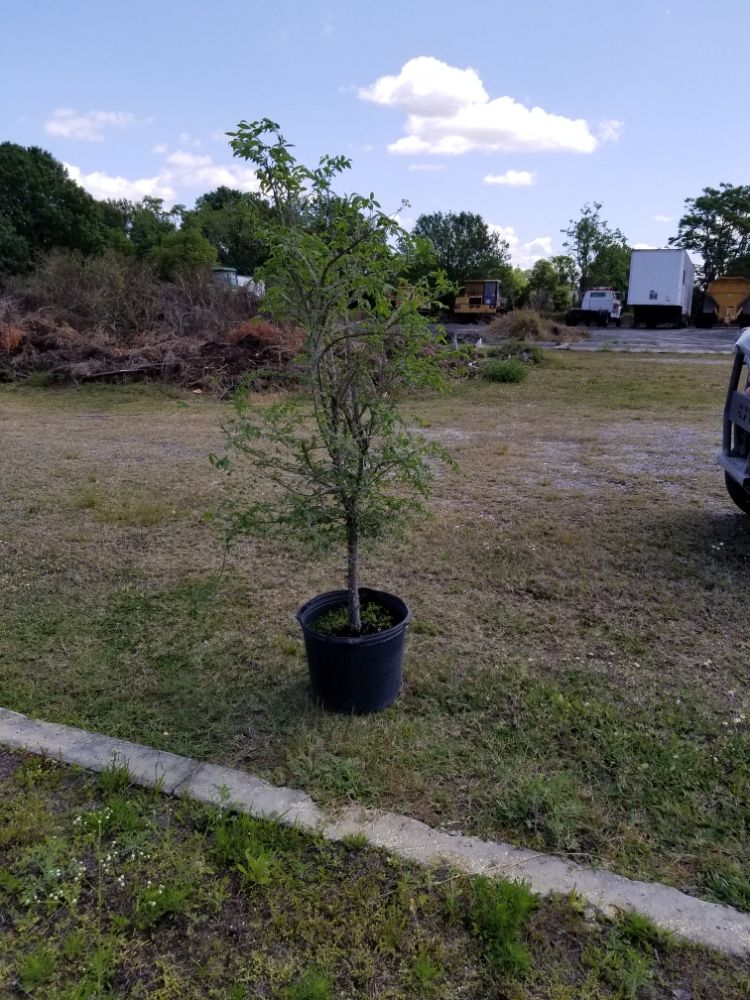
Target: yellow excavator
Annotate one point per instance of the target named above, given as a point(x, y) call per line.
point(480, 300)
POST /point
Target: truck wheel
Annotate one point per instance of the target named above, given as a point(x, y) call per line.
point(740, 496)
point(618, 322)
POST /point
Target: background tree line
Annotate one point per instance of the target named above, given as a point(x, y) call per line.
point(43, 209)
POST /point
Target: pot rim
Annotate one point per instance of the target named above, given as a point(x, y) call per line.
point(355, 640)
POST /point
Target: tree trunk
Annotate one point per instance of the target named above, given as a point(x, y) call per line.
point(352, 582)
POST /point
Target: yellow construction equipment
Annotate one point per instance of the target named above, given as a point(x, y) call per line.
point(727, 301)
point(480, 300)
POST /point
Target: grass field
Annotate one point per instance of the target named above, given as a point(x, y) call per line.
point(108, 893)
point(577, 671)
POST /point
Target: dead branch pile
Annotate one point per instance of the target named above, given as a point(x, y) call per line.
point(38, 341)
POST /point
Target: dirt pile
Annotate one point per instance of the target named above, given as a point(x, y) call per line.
point(40, 343)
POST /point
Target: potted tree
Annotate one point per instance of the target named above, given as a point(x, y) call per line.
point(338, 462)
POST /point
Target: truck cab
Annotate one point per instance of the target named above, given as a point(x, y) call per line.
point(225, 276)
point(597, 299)
point(599, 306)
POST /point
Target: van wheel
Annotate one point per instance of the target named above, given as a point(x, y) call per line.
point(740, 496)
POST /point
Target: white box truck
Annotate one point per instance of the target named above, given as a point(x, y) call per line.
point(661, 287)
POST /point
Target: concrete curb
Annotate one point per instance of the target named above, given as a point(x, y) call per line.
point(691, 919)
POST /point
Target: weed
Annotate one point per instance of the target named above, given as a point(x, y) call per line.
point(39, 379)
point(511, 370)
point(259, 868)
point(426, 972)
point(312, 985)
point(518, 349)
point(120, 814)
point(131, 512)
point(339, 776)
point(499, 912)
point(116, 777)
point(549, 806)
point(641, 931)
point(355, 841)
point(74, 945)
point(155, 902)
point(37, 967)
point(336, 622)
point(22, 822)
point(726, 886)
point(627, 969)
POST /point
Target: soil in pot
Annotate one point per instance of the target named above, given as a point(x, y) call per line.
point(374, 618)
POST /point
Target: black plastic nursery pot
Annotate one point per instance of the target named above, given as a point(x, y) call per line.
point(355, 674)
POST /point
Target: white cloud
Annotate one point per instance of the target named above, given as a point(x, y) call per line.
point(404, 220)
point(193, 170)
point(181, 174)
point(328, 27)
point(427, 166)
point(102, 185)
point(70, 124)
point(610, 129)
point(186, 139)
point(160, 148)
point(524, 255)
point(512, 178)
point(644, 246)
point(427, 86)
point(663, 218)
point(539, 247)
point(450, 113)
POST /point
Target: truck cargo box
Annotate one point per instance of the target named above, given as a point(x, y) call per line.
point(661, 287)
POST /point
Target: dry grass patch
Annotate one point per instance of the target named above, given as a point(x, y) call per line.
point(576, 674)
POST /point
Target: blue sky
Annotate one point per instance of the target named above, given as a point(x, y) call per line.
point(518, 111)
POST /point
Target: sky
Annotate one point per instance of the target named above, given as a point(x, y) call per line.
point(519, 111)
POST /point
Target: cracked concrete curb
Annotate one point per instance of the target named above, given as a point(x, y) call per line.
point(695, 920)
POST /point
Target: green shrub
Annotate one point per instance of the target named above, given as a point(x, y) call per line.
point(510, 370)
point(39, 379)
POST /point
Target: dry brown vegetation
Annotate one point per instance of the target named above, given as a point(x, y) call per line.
point(108, 317)
point(527, 324)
